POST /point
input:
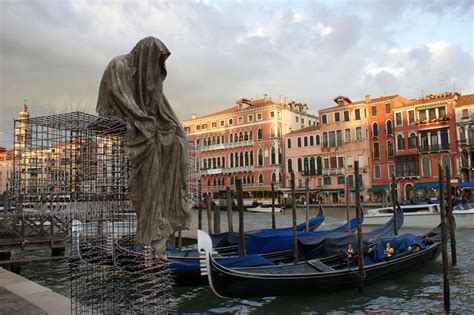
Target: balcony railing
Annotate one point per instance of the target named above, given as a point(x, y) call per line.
point(212, 171)
point(333, 171)
point(466, 142)
point(407, 173)
point(221, 170)
point(311, 172)
point(227, 145)
point(249, 168)
point(434, 148)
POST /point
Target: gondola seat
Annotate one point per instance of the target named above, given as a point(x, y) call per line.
point(319, 265)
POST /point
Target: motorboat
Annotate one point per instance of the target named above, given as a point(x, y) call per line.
point(265, 208)
point(422, 215)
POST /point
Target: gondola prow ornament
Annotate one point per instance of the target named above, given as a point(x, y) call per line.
point(156, 145)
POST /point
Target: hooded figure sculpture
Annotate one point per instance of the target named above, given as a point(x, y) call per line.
point(156, 145)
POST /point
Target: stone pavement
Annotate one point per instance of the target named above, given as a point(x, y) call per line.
point(19, 295)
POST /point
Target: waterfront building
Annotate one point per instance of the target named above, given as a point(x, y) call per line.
point(382, 143)
point(302, 155)
point(6, 161)
point(344, 140)
point(424, 135)
point(245, 141)
point(464, 116)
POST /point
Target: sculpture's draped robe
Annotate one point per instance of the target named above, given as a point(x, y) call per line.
point(156, 144)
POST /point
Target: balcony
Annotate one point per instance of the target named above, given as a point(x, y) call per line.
point(465, 143)
point(249, 168)
point(211, 171)
point(311, 173)
point(434, 148)
point(403, 174)
point(223, 146)
point(333, 171)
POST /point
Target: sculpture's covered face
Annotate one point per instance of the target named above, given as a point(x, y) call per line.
point(148, 60)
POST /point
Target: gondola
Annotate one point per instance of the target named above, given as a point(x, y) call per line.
point(320, 275)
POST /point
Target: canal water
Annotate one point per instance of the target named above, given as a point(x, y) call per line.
point(414, 292)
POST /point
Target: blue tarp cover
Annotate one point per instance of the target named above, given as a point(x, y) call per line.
point(466, 185)
point(231, 262)
point(399, 243)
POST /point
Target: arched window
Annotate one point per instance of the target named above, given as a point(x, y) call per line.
point(204, 143)
point(305, 141)
point(426, 166)
point(390, 148)
point(209, 141)
point(260, 178)
point(241, 136)
point(214, 163)
point(400, 142)
point(244, 180)
point(251, 135)
point(222, 139)
point(232, 180)
point(259, 134)
point(214, 182)
point(208, 182)
point(290, 165)
point(375, 130)
point(246, 158)
point(273, 156)
point(446, 162)
point(274, 177)
point(231, 160)
point(311, 140)
point(231, 138)
point(389, 130)
point(300, 165)
point(305, 165)
point(412, 141)
point(246, 136)
point(223, 162)
point(236, 159)
point(318, 140)
point(260, 157)
point(289, 144)
point(299, 142)
point(204, 164)
point(252, 179)
point(241, 159)
point(197, 142)
point(251, 158)
point(312, 166)
point(272, 132)
point(319, 165)
point(279, 155)
point(236, 137)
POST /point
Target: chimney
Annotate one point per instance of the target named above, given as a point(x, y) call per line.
point(193, 116)
point(367, 99)
point(280, 99)
point(265, 97)
point(286, 100)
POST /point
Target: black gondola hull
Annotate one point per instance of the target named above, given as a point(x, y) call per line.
point(238, 283)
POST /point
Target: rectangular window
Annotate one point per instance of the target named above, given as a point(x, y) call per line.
point(187, 129)
point(259, 116)
point(387, 108)
point(377, 171)
point(374, 110)
point(465, 113)
point(337, 117)
point(346, 115)
point(422, 115)
point(411, 117)
point(376, 150)
point(391, 169)
point(347, 135)
point(332, 139)
point(398, 119)
point(358, 133)
point(442, 111)
point(250, 118)
point(432, 114)
point(357, 114)
point(324, 119)
point(204, 127)
point(302, 121)
point(340, 161)
point(198, 127)
point(340, 180)
point(350, 180)
point(360, 158)
point(213, 124)
point(349, 161)
point(327, 180)
point(222, 123)
point(326, 163)
point(320, 181)
point(297, 119)
point(333, 162)
point(240, 119)
point(325, 139)
point(339, 138)
point(272, 114)
point(231, 121)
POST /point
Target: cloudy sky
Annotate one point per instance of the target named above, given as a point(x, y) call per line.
point(53, 53)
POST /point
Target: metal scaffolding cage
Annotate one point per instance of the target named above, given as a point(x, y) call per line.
point(73, 166)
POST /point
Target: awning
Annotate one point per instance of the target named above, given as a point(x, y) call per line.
point(429, 185)
point(352, 188)
point(331, 189)
point(378, 188)
point(466, 185)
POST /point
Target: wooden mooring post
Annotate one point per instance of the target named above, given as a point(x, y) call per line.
point(273, 206)
point(240, 205)
point(394, 204)
point(360, 244)
point(307, 203)
point(452, 225)
point(293, 209)
point(216, 212)
point(230, 225)
point(444, 245)
point(209, 213)
point(199, 206)
point(348, 217)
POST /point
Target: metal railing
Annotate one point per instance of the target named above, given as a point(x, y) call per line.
point(434, 147)
point(223, 146)
point(333, 171)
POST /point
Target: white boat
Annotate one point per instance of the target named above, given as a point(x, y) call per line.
point(422, 216)
point(265, 208)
